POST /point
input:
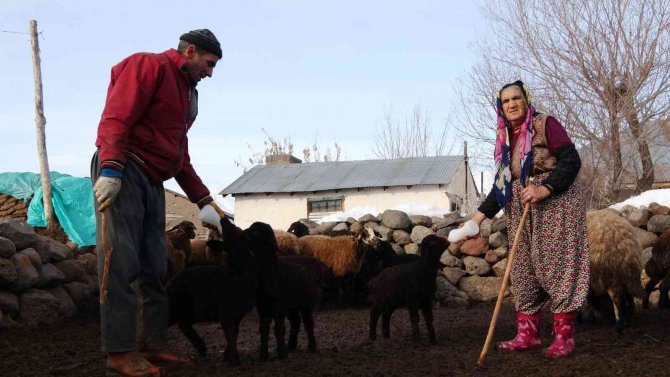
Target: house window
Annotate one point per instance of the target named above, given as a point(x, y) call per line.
point(321, 205)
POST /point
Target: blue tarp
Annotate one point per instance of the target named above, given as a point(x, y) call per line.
point(72, 199)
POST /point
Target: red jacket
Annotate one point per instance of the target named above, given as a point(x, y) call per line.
point(146, 118)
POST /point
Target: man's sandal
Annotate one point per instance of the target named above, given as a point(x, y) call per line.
point(152, 371)
point(167, 357)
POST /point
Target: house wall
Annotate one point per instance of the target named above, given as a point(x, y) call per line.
point(457, 186)
point(280, 210)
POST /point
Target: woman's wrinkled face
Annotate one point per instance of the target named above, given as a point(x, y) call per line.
point(514, 104)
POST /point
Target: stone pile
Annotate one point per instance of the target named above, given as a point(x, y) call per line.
point(475, 267)
point(41, 280)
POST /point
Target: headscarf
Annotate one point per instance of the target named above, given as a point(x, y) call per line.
point(502, 184)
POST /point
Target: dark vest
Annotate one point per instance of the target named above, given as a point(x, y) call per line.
point(543, 161)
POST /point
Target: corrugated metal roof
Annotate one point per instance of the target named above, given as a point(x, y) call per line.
point(324, 176)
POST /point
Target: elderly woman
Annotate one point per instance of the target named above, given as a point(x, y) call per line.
point(537, 162)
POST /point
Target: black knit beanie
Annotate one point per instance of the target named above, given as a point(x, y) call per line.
point(204, 39)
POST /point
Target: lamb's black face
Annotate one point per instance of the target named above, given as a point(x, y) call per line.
point(298, 229)
point(433, 246)
point(261, 237)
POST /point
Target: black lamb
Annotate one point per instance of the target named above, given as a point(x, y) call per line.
point(410, 285)
point(321, 276)
point(216, 293)
point(299, 229)
point(284, 290)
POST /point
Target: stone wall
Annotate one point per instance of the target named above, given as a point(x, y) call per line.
point(41, 280)
point(474, 267)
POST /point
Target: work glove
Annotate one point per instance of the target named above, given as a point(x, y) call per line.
point(469, 229)
point(106, 189)
point(211, 214)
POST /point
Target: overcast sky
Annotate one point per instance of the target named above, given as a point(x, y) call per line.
point(324, 70)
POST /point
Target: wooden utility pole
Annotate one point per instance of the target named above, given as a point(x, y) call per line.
point(40, 122)
point(466, 202)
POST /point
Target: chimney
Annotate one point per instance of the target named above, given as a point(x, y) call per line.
point(274, 159)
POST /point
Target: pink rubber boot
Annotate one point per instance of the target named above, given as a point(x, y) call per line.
point(564, 335)
point(528, 334)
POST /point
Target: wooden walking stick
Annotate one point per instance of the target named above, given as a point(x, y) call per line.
point(107, 250)
point(503, 287)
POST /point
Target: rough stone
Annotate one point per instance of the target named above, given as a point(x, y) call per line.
point(395, 219)
point(79, 292)
point(475, 247)
point(645, 255)
point(485, 228)
point(419, 232)
point(385, 233)
point(499, 225)
point(356, 227)
point(19, 232)
point(8, 273)
point(367, 218)
point(50, 276)
point(66, 306)
point(7, 248)
point(399, 250)
point(325, 228)
point(38, 307)
point(455, 248)
point(476, 266)
point(658, 209)
point(499, 268)
point(421, 220)
point(491, 257)
point(90, 262)
point(658, 223)
point(401, 237)
point(645, 238)
point(453, 274)
point(412, 248)
point(34, 258)
point(638, 217)
point(444, 232)
point(498, 239)
point(501, 252)
point(453, 218)
point(451, 261)
point(27, 275)
point(447, 294)
point(72, 270)
point(483, 289)
point(341, 229)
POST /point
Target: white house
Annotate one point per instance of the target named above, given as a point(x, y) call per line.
point(285, 190)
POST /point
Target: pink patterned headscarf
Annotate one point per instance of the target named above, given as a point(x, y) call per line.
point(502, 184)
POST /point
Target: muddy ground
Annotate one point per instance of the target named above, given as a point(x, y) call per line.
point(73, 348)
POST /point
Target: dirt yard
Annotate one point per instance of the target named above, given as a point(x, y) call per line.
point(73, 348)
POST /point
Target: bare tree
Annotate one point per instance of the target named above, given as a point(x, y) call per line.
point(410, 137)
point(276, 146)
point(601, 66)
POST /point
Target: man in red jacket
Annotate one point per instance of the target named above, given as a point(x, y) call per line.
point(142, 141)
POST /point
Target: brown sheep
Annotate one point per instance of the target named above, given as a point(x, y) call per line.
point(354, 260)
point(658, 270)
point(203, 254)
point(178, 242)
point(287, 242)
point(614, 262)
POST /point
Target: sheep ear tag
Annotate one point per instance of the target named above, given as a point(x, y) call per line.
point(208, 215)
